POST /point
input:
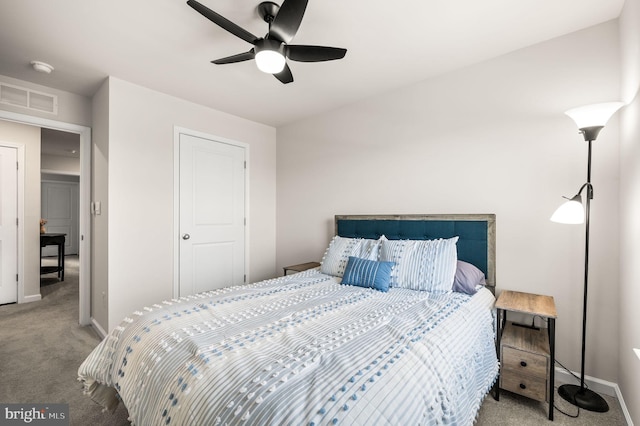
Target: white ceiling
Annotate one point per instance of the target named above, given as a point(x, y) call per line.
point(167, 46)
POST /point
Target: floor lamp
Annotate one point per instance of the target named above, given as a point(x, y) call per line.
point(590, 120)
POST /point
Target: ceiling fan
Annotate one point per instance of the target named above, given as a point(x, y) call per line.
point(271, 50)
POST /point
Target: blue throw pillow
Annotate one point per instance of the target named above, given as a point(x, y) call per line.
point(368, 273)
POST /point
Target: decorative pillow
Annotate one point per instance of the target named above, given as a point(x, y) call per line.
point(427, 265)
point(467, 278)
point(337, 254)
point(368, 273)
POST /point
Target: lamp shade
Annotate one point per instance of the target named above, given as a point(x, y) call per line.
point(595, 115)
point(571, 212)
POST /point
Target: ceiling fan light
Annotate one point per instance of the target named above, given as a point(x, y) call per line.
point(270, 55)
point(270, 61)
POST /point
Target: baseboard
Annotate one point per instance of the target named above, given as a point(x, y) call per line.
point(625, 411)
point(598, 385)
point(32, 298)
point(98, 328)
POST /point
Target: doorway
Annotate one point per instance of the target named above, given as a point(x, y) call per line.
point(60, 187)
point(84, 248)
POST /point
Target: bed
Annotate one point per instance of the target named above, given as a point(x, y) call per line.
point(306, 349)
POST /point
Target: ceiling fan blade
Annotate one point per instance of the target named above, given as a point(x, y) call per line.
point(302, 53)
point(246, 56)
point(285, 75)
point(222, 22)
point(286, 23)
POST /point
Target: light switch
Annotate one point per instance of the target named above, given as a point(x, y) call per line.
point(96, 208)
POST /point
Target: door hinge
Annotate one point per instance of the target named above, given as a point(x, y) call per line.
point(17, 221)
point(245, 278)
point(16, 277)
point(245, 221)
point(17, 166)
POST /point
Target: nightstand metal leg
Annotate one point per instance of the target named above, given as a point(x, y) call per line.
point(501, 319)
point(552, 362)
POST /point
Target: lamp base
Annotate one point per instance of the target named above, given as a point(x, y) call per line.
point(583, 398)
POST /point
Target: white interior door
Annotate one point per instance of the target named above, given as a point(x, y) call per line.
point(8, 225)
point(59, 205)
point(212, 214)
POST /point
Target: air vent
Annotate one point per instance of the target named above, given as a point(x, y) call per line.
point(27, 98)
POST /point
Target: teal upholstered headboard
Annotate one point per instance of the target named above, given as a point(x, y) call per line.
point(476, 232)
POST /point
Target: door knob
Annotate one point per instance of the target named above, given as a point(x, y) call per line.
point(186, 236)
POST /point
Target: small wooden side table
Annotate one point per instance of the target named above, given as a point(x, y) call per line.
point(301, 267)
point(526, 353)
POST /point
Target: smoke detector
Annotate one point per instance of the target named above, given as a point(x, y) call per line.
point(42, 67)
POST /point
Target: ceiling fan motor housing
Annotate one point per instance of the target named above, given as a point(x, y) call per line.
point(268, 11)
point(269, 44)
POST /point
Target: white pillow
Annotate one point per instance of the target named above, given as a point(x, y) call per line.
point(337, 254)
point(426, 265)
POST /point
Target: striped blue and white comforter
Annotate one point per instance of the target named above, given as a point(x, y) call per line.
point(300, 350)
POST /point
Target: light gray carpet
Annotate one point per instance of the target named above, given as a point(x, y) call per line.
point(42, 346)
point(514, 409)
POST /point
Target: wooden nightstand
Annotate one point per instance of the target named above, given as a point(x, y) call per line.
point(527, 354)
point(301, 267)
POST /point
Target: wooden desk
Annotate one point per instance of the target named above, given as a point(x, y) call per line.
point(53, 240)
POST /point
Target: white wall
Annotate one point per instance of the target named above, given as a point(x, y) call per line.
point(490, 138)
point(140, 191)
point(100, 223)
point(630, 208)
